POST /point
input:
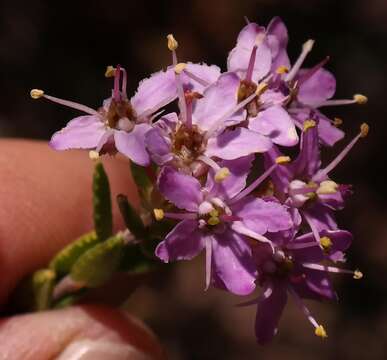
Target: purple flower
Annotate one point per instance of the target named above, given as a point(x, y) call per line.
point(222, 218)
point(295, 267)
point(305, 185)
point(121, 124)
point(201, 131)
point(256, 51)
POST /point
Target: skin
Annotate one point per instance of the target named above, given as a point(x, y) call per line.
point(45, 202)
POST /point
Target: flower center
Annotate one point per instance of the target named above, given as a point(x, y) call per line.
point(120, 115)
point(188, 143)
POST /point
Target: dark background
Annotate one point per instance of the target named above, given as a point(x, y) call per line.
point(64, 47)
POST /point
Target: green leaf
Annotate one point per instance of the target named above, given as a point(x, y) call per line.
point(103, 220)
point(43, 284)
point(144, 184)
point(132, 220)
point(135, 262)
point(97, 265)
point(65, 259)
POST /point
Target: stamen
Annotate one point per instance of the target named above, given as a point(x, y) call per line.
point(110, 71)
point(159, 214)
point(179, 68)
point(337, 121)
point(297, 246)
point(243, 230)
point(124, 81)
point(364, 129)
point(37, 93)
point(281, 160)
point(357, 274)
point(222, 174)
point(250, 68)
point(357, 99)
point(327, 187)
point(196, 78)
point(116, 90)
point(211, 163)
point(313, 228)
point(318, 329)
point(213, 220)
point(262, 87)
point(326, 243)
point(282, 70)
point(320, 332)
point(306, 49)
point(253, 185)
point(172, 43)
point(309, 124)
point(93, 155)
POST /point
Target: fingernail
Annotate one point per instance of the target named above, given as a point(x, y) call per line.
point(101, 350)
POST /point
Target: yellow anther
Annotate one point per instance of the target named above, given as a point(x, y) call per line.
point(180, 67)
point(36, 93)
point(327, 187)
point(308, 45)
point(222, 174)
point(326, 242)
point(309, 124)
point(159, 214)
point(261, 88)
point(93, 155)
point(357, 275)
point(213, 221)
point(320, 332)
point(214, 213)
point(337, 121)
point(172, 43)
point(282, 70)
point(283, 160)
point(360, 99)
point(110, 71)
point(364, 129)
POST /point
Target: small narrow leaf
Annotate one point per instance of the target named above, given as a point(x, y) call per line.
point(132, 220)
point(144, 184)
point(103, 220)
point(65, 259)
point(43, 284)
point(97, 265)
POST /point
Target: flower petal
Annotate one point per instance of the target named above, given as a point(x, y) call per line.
point(219, 98)
point(269, 311)
point(327, 132)
point(235, 182)
point(158, 146)
point(233, 144)
point(132, 144)
point(83, 132)
point(232, 263)
point(239, 57)
point(184, 242)
point(278, 31)
point(207, 73)
point(154, 92)
point(318, 88)
point(262, 216)
point(182, 190)
point(276, 124)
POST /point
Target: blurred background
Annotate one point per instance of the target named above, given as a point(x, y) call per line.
point(63, 47)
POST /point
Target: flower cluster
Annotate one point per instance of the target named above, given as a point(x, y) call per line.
point(263, 220)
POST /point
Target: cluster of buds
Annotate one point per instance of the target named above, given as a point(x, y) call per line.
point(276, 231)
